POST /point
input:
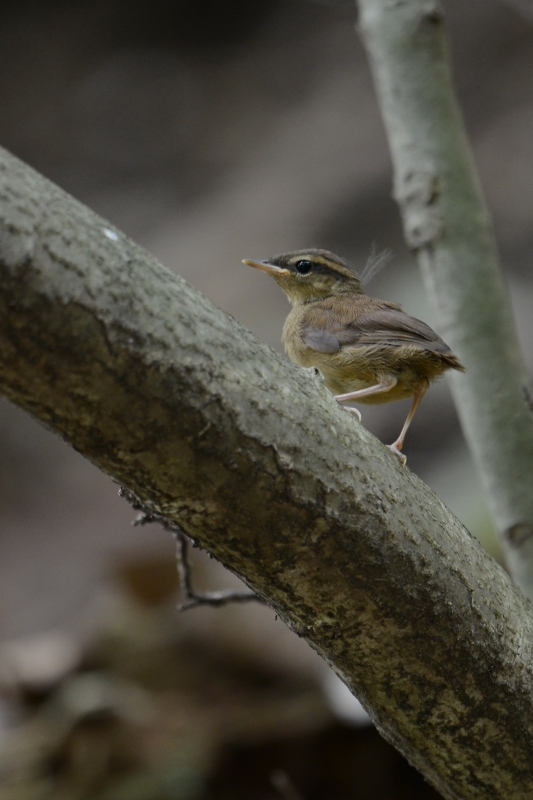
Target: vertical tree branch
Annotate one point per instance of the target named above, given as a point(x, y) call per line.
point(446, 221)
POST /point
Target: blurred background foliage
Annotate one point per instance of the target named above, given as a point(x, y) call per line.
point(212, 131)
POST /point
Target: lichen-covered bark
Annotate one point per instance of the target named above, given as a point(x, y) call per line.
point(256, 462)
point(446, 221)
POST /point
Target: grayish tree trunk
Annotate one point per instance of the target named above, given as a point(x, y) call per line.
point(447, 223)
point(256, 462)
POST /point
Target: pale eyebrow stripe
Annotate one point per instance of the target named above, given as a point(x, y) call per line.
point(329, 267)
point(312, 258)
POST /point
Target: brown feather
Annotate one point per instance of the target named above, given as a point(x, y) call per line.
point(355, 341)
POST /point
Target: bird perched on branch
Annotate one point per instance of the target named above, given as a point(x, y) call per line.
point(367, 350)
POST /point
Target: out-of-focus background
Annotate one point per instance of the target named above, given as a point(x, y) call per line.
point(210, 131)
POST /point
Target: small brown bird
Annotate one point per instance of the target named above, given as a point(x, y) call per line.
point(367, 350)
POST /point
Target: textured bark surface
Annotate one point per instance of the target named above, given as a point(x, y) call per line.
point(446, 221)
point(256, 462)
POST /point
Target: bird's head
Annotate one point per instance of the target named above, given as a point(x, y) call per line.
point(307, 275)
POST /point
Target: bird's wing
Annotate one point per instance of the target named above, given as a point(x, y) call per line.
point(384, 324)
point(321, 340)
point(393, 328)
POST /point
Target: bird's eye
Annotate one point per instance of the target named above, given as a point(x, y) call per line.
point(303, 267)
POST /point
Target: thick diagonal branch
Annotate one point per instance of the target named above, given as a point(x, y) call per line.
point(254, 460)
point(446, 221)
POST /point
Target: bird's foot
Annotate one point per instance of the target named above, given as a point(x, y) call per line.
point(396, 449)
point(352, 411)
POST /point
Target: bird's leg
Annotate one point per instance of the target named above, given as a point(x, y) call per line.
point(384, 386)
point(398, 444)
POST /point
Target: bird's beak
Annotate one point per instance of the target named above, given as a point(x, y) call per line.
point(272, 269)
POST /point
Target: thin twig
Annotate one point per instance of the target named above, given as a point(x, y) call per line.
point(222, 597)
point(193, 598)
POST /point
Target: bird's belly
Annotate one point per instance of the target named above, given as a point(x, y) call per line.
point(343, 382)
point(352, 370)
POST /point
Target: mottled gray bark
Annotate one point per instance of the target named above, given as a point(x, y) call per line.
point(255, 461)
point(446, 221)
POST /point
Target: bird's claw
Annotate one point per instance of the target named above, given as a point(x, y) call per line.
point(397, 452)
point(353, 411)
